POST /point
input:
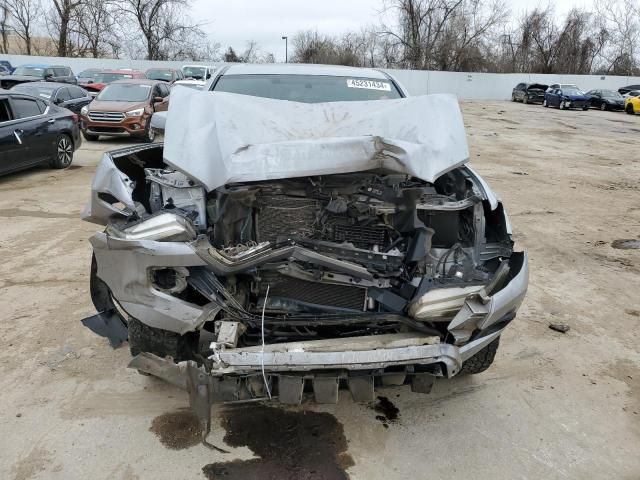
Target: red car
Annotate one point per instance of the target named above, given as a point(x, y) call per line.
point(105, 77)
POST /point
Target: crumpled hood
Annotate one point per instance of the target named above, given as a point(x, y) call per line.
point(220, 138)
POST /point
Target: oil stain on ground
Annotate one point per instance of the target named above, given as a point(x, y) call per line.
point(626, 244)
point(388, 412)
point(177, 430)
point(291, 445)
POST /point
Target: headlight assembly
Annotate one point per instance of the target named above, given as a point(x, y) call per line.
point(166, 227)
point(135, 113)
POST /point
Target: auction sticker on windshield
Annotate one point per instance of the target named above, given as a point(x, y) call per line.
point(368, 84)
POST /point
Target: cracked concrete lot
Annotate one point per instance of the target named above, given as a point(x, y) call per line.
point(553, 405)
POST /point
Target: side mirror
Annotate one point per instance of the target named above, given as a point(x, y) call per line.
point(208, 76)
point(48, 75)
point(58, 101)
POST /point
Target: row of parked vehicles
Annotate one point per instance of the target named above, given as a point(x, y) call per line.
point(566, 96)
point(46, 109)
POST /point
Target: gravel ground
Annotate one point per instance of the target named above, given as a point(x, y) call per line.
point(553, 405)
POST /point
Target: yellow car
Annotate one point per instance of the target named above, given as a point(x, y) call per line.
point(632, 105)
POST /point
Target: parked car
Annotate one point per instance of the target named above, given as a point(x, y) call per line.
point(348, 258)
point(105, 77)
point(38, 73)
point(631, 93)
point(198, 72)
point(556, 86)
point(190, 83)
point(605, 99)
point(123, 109)
point(528, 93)
point(168, 75)
point(632, 105)
point(4, 70)
point(566, 97)
point(87, 76)
point(60, 94)
point(34, 131)
point(7, 65)
point(628, 88)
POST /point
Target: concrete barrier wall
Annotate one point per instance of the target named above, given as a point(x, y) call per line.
point(496, 86)
point(472, 86)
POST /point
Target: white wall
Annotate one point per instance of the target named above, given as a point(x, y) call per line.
point(473, 86)
point(496, 86)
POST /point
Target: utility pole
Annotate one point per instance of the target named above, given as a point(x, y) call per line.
point(286, 49)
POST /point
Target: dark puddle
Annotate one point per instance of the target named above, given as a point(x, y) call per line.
point(291, 445)
point(177, 430)
point(388, 411)
point(626, 244)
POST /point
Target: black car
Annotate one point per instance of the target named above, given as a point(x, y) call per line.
point(34, 131)
point(605, 99)
point(38, 73)
point(528, 92)
point(628, 88)
point(61, 94)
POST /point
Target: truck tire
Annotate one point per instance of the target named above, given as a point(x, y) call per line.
point(481, 360)
point(162, 343)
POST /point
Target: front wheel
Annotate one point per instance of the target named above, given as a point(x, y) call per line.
point(545, 104)
point(585, 108)
point(629, 109)
point(525, 100)
point(603, 106)
point(63, 153)
point(149, 133)
point(561, 105)
point(481, 360)
point(89, 137)
point(143, 338)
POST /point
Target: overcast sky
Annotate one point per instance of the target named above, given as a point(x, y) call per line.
point(234, 22)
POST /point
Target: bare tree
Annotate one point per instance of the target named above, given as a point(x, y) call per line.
point(164, 25)
point(24, 14)
point(4, 26)
point(621, 19)
point(96, 21)
point(59, 22)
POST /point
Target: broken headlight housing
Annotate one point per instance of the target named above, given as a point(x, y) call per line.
point(167, 227)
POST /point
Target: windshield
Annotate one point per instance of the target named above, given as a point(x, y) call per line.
point(42, 91)
point(195, 72)
point(166, 75)
point(33, 71)
point(611, 94)
point(571, 91)
point(111, 77)
point(124, 92)
point(308, 88)
point(89, 74)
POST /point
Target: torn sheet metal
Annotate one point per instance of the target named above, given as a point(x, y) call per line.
point(220, 138)
point(108, 324)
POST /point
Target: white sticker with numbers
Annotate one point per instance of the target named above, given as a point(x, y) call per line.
point(368, 84)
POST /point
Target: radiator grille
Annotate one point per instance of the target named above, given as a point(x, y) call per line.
point(115, 117)
point(340, 296)
point(361, 237)
point(286, 216)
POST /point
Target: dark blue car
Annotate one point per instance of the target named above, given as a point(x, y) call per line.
point(567, 96)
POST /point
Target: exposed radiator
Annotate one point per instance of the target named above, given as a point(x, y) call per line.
point(280, 215)
point(341, 296)
point(361, 237)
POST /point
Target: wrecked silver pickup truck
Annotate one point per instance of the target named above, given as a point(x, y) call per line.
point(271, 246)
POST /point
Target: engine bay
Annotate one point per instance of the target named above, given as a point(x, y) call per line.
point(328, 256)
